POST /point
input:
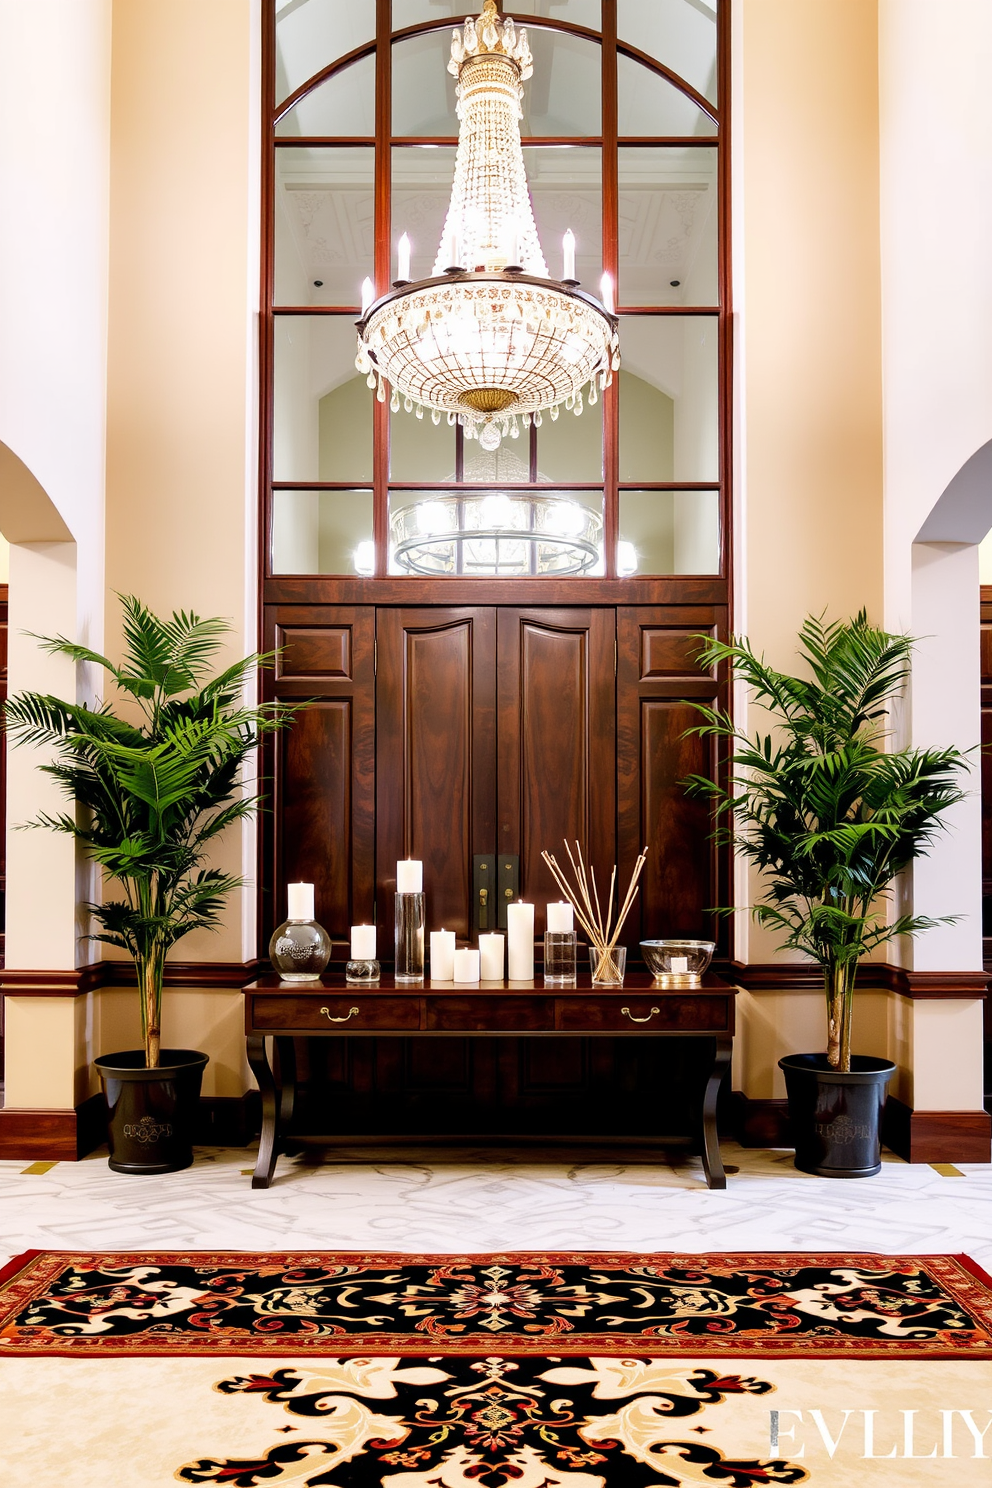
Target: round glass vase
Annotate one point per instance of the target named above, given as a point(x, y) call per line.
point(608, 966)
point(300, 950)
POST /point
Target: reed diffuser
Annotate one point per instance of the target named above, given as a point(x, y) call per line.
point(607, 959)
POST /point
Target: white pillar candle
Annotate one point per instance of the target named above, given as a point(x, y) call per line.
point(410, 876)
point(560, 918)
point(678, 964)
point(299, 897)
point(403, 258)
point(363, 942)
point(568, 254)
point(442, 955)
point(520, 941)
point(491, 957)
point(466, 967)
point(368, 294)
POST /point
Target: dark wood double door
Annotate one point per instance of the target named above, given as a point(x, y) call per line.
point(442, 732)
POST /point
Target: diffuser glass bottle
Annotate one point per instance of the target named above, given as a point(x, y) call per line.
point(300, 948)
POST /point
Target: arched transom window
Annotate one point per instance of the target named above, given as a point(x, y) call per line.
point(623, 132)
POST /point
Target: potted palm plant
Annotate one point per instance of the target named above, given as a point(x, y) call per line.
point(830, 817)
point(155, 784)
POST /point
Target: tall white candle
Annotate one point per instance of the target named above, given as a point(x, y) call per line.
point(568, 254)
point(466, 966)
point(520, 941)
point(363, 942)
point(560, 920)
point(606, 292)
point(368, 294)
point(403, 258)
point(442, 955)
point(410, 876)
point(491, 957)
point(299, 897)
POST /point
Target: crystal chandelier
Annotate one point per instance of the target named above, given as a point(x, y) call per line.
point(489, 338)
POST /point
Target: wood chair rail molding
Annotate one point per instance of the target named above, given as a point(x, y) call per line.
point(778, 976)
point(771, 976)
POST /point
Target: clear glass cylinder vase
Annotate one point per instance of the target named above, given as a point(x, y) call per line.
point(559, 958)
point(409, 938)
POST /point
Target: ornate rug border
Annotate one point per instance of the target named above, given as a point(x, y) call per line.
point(27, 1274)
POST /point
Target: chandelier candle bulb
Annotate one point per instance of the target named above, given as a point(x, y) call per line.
point(568, 251)
point(491, 958)
point(606, 293)
point(442, 955)
point(466, 967)
point(299, 901)
point(520, 942)
point(409, 876)
point(368, 295)
point(403, 260)
point(363, 942)
point(561, 918)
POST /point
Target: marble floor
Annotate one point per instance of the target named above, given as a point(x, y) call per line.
point(477, 1200)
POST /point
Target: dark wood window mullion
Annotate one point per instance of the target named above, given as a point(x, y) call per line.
point(611, 259)
point(383, 258)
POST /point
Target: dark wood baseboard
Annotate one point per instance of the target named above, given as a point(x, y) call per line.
point(67, 1136)
point(759, 1123)
point(937, 1136)
point(53, 1136)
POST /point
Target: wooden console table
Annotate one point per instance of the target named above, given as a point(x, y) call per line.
point(330, 1008)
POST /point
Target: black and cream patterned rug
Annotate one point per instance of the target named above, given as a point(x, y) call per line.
point(505, 1371)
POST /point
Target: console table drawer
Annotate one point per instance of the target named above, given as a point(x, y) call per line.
point(327, 1012)
point(653, 1013)
point(489, 1014)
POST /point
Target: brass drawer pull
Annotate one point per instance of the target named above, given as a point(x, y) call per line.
point(351, 1013)
point(628, 1014)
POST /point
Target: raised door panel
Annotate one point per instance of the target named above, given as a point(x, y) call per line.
point(435, 755)
point(557, 742)
point(658, 682)
point(320, 829)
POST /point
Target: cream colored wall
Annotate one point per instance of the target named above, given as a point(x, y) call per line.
point(181, 390)
point(210, 1019)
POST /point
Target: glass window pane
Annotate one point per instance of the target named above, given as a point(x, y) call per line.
point(668, 227)
point(564, 95)
point(419, 449)
point(312, 33)
point(492, 533)
point(578, 12)
point(322, 409)
point(322, 532)
point(669, 398)
point(324, 225)
point(680, 33)
point(422, 177)
point(423, 88)
point(344, 104)
point(566, 189)
point(669, 532)
point(648, 104)
point(570, 448)
point(508, 466)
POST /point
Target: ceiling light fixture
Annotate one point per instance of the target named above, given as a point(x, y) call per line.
point(489, 338)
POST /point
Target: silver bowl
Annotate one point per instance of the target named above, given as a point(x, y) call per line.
point(678, 963)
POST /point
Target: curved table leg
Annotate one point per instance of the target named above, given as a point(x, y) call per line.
point(712, 1161)
point(286, 1066)
point(266, 1163)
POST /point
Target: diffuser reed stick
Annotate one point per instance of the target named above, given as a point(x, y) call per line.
point(583, 895)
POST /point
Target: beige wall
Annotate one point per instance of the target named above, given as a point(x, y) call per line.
point(181, 461)
point(807, 292)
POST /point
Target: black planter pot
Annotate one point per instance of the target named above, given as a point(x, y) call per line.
point(150, 1112)
point(836, 1118)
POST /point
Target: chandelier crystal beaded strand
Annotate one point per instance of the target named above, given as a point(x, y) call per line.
point(489, 338)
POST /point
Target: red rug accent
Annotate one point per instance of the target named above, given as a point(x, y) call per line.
point(788, 1305)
